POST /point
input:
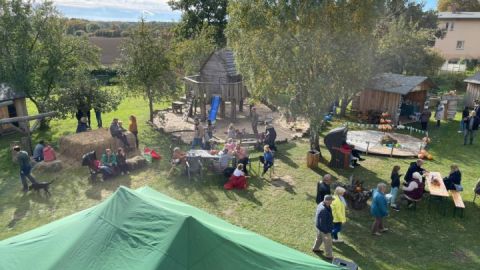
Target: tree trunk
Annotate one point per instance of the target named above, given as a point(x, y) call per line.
point(343, 105)
point(315, 137)
point(150, 104)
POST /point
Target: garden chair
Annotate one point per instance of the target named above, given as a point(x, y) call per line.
point(194, 166)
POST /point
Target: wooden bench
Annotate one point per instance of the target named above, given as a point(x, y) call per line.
point(177, 107)
point(458, 201)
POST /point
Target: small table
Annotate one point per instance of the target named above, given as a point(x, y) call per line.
point(177, 107)
point(439, 191)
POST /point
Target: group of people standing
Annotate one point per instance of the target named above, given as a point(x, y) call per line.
point(469, 123)
point(329, 216)
point(331, 210)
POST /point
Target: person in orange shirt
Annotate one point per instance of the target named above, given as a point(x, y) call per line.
point(133, 128)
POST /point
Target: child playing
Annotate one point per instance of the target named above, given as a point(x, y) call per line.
point(392, 197)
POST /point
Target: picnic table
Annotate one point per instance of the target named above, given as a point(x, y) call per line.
point(438, 191)
point(204, 154)
point(441, 192)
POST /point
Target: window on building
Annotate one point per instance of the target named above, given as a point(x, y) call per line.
point(451, 26)
point(460, 44)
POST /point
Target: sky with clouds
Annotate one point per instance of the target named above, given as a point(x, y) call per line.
point(132, 10)
point(118, 10)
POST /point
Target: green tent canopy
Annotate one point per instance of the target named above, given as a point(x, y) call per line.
point(144, 229)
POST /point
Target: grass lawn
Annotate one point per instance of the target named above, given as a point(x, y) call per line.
point(421, 239)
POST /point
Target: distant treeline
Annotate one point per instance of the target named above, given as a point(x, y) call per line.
point(80, 27)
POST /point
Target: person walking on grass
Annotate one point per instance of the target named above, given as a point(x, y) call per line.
point(323, 188)
point(465, 114)
point(439, 113)
point(379, 209)
point(471, 127)
point(324, 226)
point(425, 117)
point(338, 209)
point(25, 167)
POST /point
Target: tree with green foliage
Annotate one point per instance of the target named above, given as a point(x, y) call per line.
point(190, 54)
point(458, 5)
point(196, 14)
point(405, 48)
point(83, 91)
point(304, 55)
point(146, 67)
point(37, 56)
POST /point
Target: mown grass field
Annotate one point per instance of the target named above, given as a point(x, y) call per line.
point(423, 239)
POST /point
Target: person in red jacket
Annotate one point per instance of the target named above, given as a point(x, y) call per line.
point(237, 180)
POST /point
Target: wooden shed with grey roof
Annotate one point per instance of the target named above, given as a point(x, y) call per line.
point(218, 76)
point(473, 90)
point(12, 104)
point(403, 97)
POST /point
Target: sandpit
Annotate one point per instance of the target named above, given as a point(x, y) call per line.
point(409, 145)
point(75, 145)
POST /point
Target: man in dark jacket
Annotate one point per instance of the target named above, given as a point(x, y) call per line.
point(471, 127)
point(465, 114)
point(425, 117)
point(323, 188)
point(117, 131)
point(270, 137)
point(25, 167)
point(324, 225)
point(414, 167)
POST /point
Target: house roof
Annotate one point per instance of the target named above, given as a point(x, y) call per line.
point(7, 93)
point(474, 79)
point(228, 60)
point(396, 83)
point(458, 15)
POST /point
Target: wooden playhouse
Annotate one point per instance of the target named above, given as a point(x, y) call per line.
point(218, 77)
point(403, 97)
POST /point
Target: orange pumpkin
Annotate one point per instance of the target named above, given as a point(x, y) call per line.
point(430, 157)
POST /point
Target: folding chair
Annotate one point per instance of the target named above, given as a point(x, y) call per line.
point(194, 165)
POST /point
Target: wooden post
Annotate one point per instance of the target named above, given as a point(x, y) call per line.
point(240, 105)
point(222, 108)
point(203, 108)
point(368, 145)
point(233, 110)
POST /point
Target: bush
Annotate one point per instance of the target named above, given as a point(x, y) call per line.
point(450, 81)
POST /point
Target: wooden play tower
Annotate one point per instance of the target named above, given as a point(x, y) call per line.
point(218, 77)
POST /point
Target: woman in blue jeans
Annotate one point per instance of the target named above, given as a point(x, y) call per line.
point(338, 210)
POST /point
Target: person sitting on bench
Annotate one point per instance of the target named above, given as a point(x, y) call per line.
point(414, 167)
point(117, 131)
point(108, 163)
point(414, 191)
point(454, 179)
point(354, 154)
